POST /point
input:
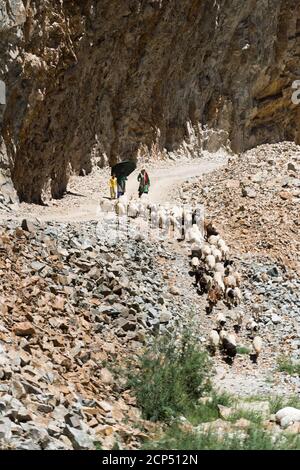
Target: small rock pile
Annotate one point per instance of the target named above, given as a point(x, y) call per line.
point(272, 300)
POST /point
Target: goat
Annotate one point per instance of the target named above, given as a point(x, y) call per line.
point(232, 296)
point(213, 297)
point(210, 229)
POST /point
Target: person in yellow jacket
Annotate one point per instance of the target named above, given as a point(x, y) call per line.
point(113, 185)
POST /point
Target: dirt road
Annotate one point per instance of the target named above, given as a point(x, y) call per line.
point(81, 203)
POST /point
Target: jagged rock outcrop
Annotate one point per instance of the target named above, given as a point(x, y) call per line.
point(114, 76)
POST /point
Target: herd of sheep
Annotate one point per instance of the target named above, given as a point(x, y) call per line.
point(215, 273)
point(216, 276)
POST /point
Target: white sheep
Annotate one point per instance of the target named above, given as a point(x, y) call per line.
point(222, 334)
point(120, 209)
point(188, 235)
point(220, 242)
point(142, 206)
point(216, 253)
point(237, 294)
point(206, 250)
point(107, 205)
point(223, 248)
point(162, 218)
point(257, 345)
point(175, 224)
point(213, 240)
point(214, 340)
point(187, 216)
point(210, 261)
point(230, 281)
point(256, 348)
point(252, 326)
point(237, 318)
point(123, 200)
point(195, 262)
point(197, 236)
point(153, 207)
point(206, 282)
point(287, 416)
point(177, 212)
point(133, 210)
point(238, 278)
point(218, 278)
point(221, 319)
point(219, 268)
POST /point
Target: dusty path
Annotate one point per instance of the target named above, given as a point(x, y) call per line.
point(163, 180)
point(81, 204)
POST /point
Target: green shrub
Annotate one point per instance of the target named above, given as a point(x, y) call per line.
point(286, 365)
point(252, 416)
point(242, 350)
point(255, 439)
point(171, 378)
point(277, 403)
point(205, 412)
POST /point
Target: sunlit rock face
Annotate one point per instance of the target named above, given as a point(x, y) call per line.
point(107, 78)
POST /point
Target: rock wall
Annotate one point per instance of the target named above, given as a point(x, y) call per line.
point(109, 76)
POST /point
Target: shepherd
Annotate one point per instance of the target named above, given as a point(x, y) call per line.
point(113, 186)
point(144, 181)
point(121, 185)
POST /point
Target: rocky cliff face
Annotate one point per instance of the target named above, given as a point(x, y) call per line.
point(110, 77)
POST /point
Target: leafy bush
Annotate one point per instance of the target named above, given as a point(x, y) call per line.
point(242, 350)
point(255, 439)
point(286, 365)
point(254, 417)
point(171, 378)
point(277, 403)
point(208, 411)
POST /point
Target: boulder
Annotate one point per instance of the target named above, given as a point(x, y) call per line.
point(287, 416)
point(28, 226)
point(106, 376)
point(249, 192)
point(80, 439)
point(24, 329)
point(5, 429)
